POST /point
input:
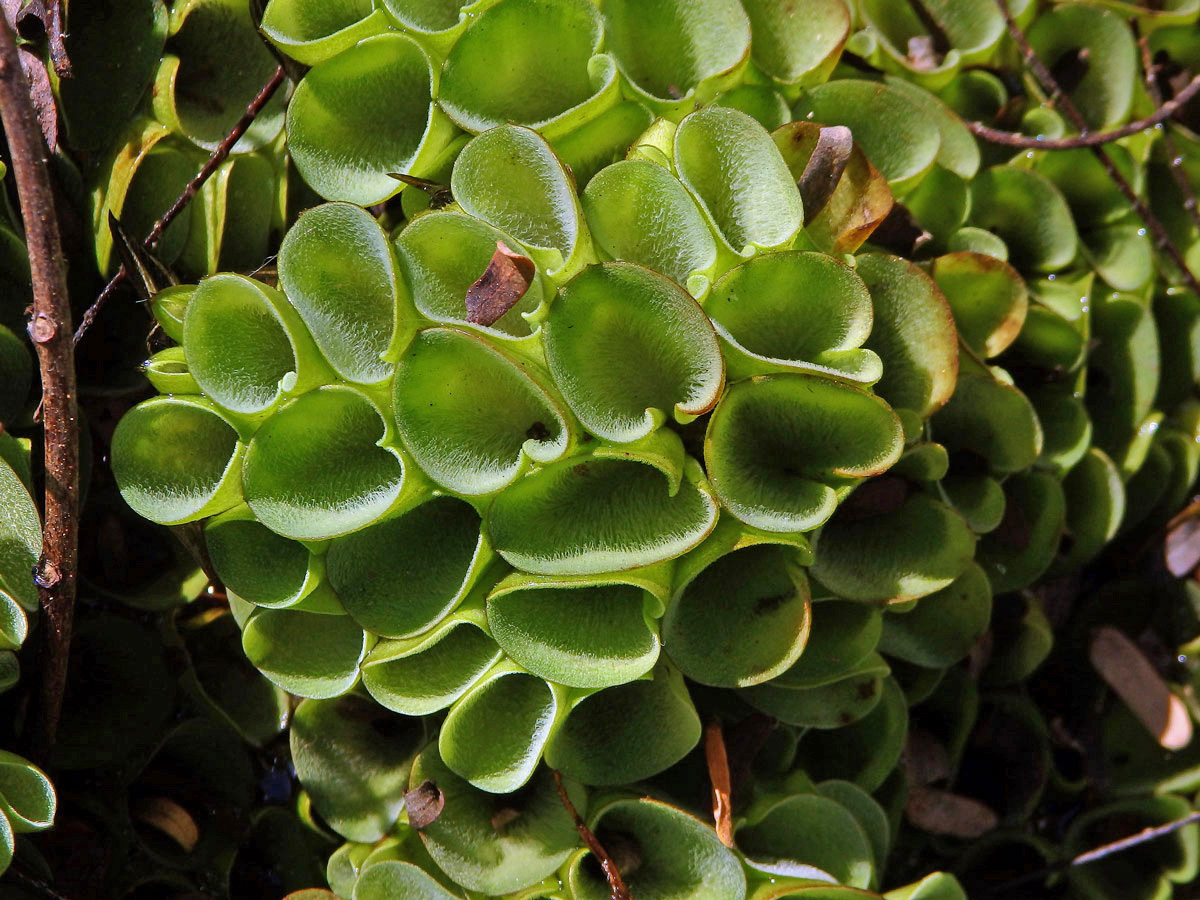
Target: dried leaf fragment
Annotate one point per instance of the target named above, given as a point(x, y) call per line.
point(170, 818)
point(424, 803)
point(943, 812)
point(718, 775)
point(503, 283)
point(1182, 548)
point(824, 169)
point(1126, 670)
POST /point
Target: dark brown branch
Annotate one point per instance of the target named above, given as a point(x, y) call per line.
point(1161, 239)
point(1089, 139)
point(50, 329)
point(1174, 159)
point(718, 776)
point(214, 162)
point(616, 884)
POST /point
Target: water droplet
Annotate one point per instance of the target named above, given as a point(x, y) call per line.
point(1182, 658)
point(1141, 232)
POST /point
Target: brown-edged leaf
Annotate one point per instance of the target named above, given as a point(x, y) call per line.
point(424, 803)
point(1125, 669)
point(943, 812)
point(824, 169)
point(504, 282)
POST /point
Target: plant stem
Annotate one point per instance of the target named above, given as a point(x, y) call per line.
point(50, 329)
point(206, 171)
point(1163, 112)
point(616, 884)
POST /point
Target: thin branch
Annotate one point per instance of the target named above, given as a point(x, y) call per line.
point(214, 162)
point(616, 884)
point(50, 329)
point(1096, 853)
point(718, 776)
point(1091, 139)
point(1161, 239)
point(1174, 159)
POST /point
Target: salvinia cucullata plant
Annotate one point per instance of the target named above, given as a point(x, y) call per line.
point(684, 373)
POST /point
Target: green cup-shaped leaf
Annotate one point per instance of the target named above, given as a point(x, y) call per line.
point(1123, 371)
point(1095, 507)
point(14, 625)
point(590, 632)
point(202, 100)
point(421, 675)
point(744, 617)
point(1066, 426)
point(813, 830)
point(494, 734)
point(168, 371)
point(336, 267)
point(16, 375)
point(401, 576)
point(731, 165)
point(1049, 341)
point(363, 114)
point(144, 177)
point(935, 886)
point(628, 732)
point(944, 626)
point(867, 812)
point(860, 201)
point(20, 538)
point(391, 879)
point(236, 210)
point(836, 703)
point(585, 516)
point(639, 212)
point(628, 348)
point(444, 253)
point(797, 46)
point(917, 549)
point(940, 203)
point(511, 178)
point(763, 104)
point(1084, 182)
point(316, 469)
point(992, 419)
point(170, 308)
point(311, 31)
point(307, 654)
point(1104, 94)
point(470, 415)
point(107, 81)
point(987, 297)
point(977, 240)
point(1177, 315)
point(913, 334)
point(678, 56)
point(776, 444)
point(27, 797)
point(865, 752)
point(958, 151)
point(678, 857)
point(795, 311)
point(353, 763)
point(843, 634)
point(177, 460)
point(1121, 254)
point(246, 348)
point(602, 141)
point(1024, 544)
point(898, 134)
point(1028, 213)
point(255, 562)
point(467, 844)
point(488, 74)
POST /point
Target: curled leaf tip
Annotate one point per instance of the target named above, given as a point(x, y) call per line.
point(424, 804)
point(504, 282)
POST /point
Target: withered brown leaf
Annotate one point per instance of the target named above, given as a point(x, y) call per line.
point(503, 283)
